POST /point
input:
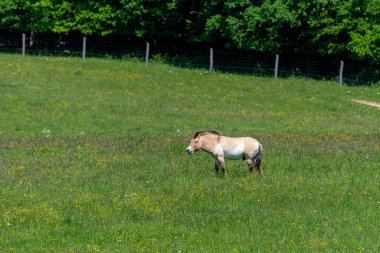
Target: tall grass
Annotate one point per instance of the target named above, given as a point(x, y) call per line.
point(92, 158)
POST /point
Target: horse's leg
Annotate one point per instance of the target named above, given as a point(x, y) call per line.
point(221, 162)
point(250, 166)
point(217, 166)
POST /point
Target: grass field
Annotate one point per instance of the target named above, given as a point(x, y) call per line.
point(92, 159)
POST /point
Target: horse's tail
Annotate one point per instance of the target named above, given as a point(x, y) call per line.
point(259, 154)
point(257, 159)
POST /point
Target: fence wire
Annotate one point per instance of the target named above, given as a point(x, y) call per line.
point(355, 72)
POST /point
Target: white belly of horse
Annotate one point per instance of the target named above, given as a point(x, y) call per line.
point(235, 153)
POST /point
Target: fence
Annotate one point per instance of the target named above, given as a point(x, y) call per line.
point(348, 72)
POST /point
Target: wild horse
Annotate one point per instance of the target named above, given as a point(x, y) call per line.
point(221, 147)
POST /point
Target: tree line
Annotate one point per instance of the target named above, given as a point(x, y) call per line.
point(348, 28)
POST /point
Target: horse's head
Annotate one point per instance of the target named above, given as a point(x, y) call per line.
point(196, 141)
point(194, 145)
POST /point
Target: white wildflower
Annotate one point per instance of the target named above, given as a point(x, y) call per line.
point(46, 132)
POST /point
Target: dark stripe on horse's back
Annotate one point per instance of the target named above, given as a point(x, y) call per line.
point(200, 133)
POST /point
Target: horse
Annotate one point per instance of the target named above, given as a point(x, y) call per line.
point(220, 147)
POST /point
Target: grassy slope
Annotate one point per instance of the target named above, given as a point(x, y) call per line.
point(92, 158)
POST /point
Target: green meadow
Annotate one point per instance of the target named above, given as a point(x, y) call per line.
point(93, 159)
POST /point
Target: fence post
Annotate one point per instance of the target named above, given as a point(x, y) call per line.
point(23, 45)
point(276, 66)
point(84, 50)
point(211, 59)
point(147, 54)
point(341, 72)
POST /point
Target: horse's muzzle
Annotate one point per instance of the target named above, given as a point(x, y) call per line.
point(189, 151)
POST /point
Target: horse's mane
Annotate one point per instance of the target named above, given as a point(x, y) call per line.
point(200, 133)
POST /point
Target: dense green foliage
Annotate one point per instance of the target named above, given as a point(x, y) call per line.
point(92, 159)
point(327, 27)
